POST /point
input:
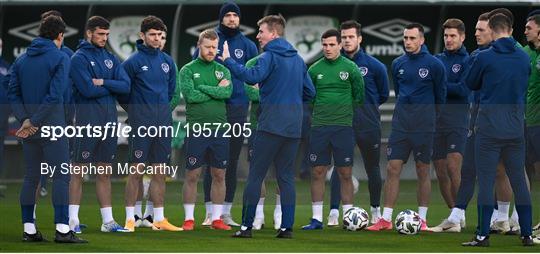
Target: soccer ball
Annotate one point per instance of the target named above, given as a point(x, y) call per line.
point(355, 219)
point(408, 222)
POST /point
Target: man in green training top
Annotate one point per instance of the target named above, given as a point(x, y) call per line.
point(205, 85)
point(532, 114)
point(339, 86)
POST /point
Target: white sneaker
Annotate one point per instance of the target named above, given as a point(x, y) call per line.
point(536, 240)
point(462, 223)
point(514, 227)
point(333, 220)
point(277, 221)
point(147, 222)
point(258, 223)
point(536, 230)
point(446, 226)
point(228, 220)
point(112, 227)
point(138, 221)
point(208, 220)
point(501, 227)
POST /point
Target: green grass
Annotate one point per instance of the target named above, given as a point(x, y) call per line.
point(207, 240)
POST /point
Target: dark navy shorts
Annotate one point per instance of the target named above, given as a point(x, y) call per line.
point(211, 151)
point(327, 142)
point(401, 144)
point(451, 141)
point(533, 144)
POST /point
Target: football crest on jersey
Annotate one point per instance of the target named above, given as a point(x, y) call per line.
point(313, 157)
point(238, 53)
point(85, 154)
point(320, 76)
point(363, 70)
point(192, 160)
point(456, 68)
point(343, 75)
point(165, 67)
point(109, 63)
point(423, 72)
point(138, 154)
point(219, 74)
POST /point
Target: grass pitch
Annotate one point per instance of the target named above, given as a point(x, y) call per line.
point(206, 240)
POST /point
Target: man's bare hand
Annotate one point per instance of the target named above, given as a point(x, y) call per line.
point(225, 54)
point(224, 83)
point(27, 129)
point(97, 82)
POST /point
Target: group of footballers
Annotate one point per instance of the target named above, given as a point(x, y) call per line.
point(465, 112)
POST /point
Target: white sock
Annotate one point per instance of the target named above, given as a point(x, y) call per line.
point(316, 208)
point(159, 214)
point(149, 210)
point(208, 207)
point(227, 208)
point(504, 210)
point(35, 206)
point(259, 213)
point(422, 211)
point(375, 212)
point(387, 213)
point(515, 215)
point(106, 215)
point(138, 208)
point(277, 210)
point(30, 228)
point(188, 209)
point(217, 210)
point(62, 228)
point(73, 213)
point(334, 212)
point(346, 207)
point(494, 216)
point(456, 215)
point(130, 213)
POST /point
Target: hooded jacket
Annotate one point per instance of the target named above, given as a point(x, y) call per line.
point(69, 102)
point(96, 104)
point(153, 81)
point(367, 116)
point(419, 84)
point(454, 114)
point(38, 82)
point(242, 49)
point(284, 83)
point(500, 74)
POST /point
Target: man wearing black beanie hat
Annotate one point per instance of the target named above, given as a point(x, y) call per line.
point(242, 50)
point(231, 12)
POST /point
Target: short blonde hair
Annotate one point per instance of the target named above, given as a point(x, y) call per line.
point(207, 34)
